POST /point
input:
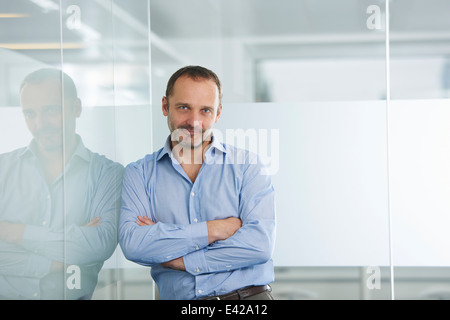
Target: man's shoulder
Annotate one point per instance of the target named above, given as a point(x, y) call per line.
point(12, 156)
point(246, 161)
point(144, 163)
point(100, 162)
point(239, 155)
point(12, 161)
point(14, 152)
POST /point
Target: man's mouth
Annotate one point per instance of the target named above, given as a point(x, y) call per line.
point(48, 133)
point(192, 131)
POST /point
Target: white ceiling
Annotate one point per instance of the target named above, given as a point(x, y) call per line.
point(269, 23)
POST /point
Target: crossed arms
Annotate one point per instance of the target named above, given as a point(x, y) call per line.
point(240, 239)
point(220, 229)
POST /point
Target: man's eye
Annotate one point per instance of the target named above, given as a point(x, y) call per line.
point(53, 110)
point(29, 114)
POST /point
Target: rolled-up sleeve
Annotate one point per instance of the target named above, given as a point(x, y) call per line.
point(158, 243)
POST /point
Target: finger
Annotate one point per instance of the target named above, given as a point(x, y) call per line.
point(146, 220)
point(94, 222)
point(141, 221)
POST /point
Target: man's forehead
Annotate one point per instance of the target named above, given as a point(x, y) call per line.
point(39, 92)
point(198, 88)
point(185, 81)
point(54, 84)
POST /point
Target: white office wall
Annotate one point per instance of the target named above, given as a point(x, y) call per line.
point(419, 138)
point(328, 164)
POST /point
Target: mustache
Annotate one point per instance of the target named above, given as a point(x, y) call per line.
point(191, 128)
point(45, 131)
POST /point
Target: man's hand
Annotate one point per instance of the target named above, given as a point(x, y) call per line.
point(93, 223)
point(144, 221)
point(177, 264)
point(222, 229)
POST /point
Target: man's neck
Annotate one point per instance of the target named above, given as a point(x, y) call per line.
point(190, 156)
point(191, 160)
point(53, 160)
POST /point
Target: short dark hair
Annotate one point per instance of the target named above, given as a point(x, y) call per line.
point(51, 74)
point(193, 72)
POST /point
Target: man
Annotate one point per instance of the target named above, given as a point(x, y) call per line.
point(58, 200)
point(202, 220)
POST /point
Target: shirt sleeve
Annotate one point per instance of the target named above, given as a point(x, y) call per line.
point(81, 244)
point(253, 243)
point(17, 261)
point(158, 243)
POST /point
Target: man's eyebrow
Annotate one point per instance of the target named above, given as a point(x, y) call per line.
point(188, 105)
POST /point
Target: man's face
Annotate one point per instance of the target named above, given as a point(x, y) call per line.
point(43, 111)
point(192, 110)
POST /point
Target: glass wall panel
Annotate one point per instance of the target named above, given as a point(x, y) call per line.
point(32, 152)
point(305, 88)
point(93, 65)
point(419, 148)
point(86, 104)
point(114, 68)
point(354, 135)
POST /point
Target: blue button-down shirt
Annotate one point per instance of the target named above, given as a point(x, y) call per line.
point(230, 183)
point(55, 216)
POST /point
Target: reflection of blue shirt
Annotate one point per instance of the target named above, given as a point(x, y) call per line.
point(229, 183)
point(55, 216)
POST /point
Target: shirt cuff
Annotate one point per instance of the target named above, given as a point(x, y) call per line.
point(39, 266)
point(195, 262)
point(198, 235)
point(32, 237)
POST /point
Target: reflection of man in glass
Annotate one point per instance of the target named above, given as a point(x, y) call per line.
point(58, 200)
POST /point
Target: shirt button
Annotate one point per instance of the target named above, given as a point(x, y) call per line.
point(200, 291)
point(195, 220)
point(196, 247)
point(197, 270)
point(192, 194)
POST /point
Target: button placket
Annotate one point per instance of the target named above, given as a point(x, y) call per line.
point(47, 213)
point(194, 205)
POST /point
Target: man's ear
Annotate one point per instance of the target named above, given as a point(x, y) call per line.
point(165, 106)
point(77, 107)
point(219, 113)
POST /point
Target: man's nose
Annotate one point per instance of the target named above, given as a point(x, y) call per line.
point(40, 121)
point(195, 121)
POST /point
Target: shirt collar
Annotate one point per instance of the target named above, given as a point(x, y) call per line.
point(165, 150)
point(80, 151)
point(216, 144)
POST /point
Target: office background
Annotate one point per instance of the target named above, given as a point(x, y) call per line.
point(352, 119)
